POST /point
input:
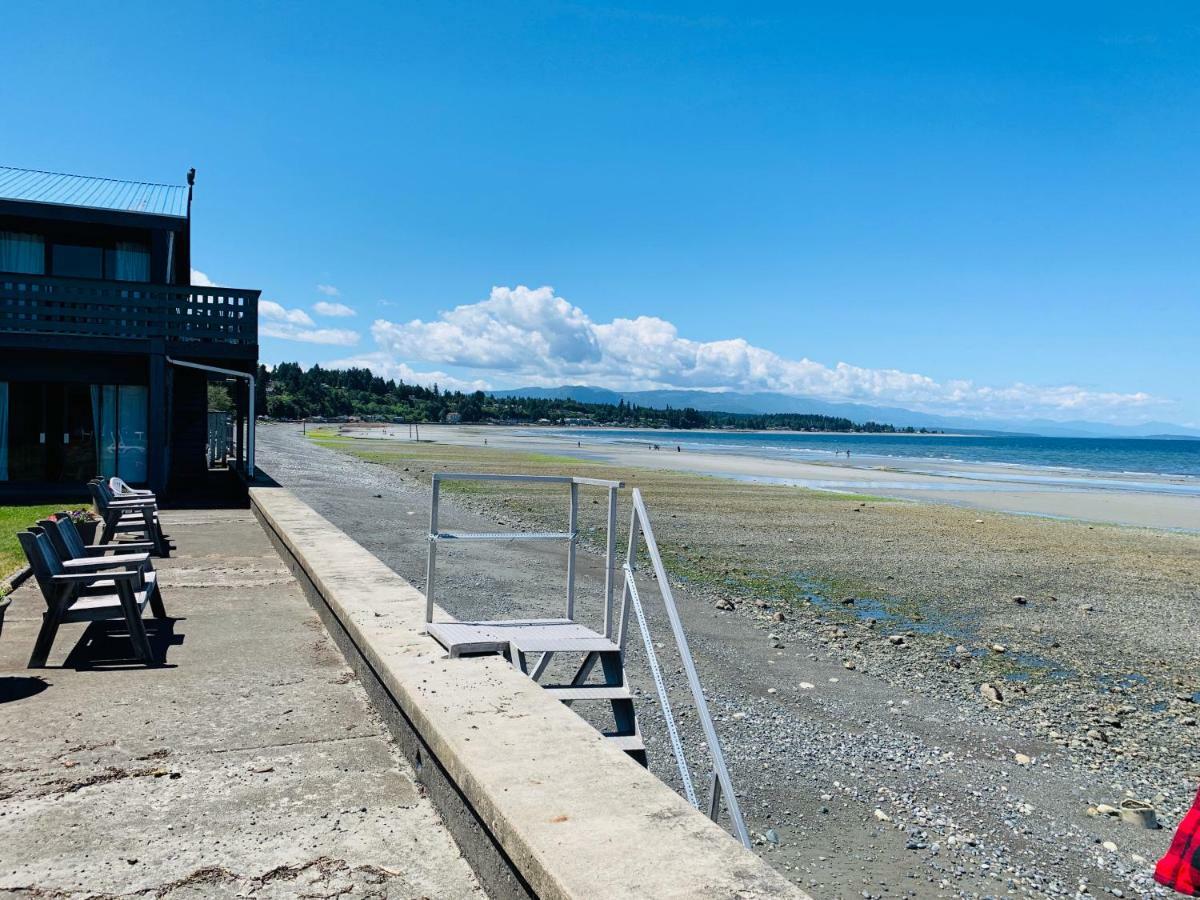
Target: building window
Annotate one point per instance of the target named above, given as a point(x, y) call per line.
point(128, 262)
point(77, 262)
point(24, 253)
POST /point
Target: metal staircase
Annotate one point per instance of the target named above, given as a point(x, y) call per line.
point(531, 644)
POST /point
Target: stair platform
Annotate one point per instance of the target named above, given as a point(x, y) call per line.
point(519, 635)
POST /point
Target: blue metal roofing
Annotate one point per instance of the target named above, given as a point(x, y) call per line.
point(32, 186)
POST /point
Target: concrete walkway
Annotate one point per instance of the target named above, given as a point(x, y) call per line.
point(251, 765)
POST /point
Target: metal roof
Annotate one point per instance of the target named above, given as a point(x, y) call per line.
point(32, 186)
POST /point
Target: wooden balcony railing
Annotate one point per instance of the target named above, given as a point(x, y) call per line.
point(41, 304)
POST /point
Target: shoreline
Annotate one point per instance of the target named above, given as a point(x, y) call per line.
point(1143, 501)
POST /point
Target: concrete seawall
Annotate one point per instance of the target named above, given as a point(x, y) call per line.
point(538, 802)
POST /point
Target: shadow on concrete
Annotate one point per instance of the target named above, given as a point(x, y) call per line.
point(106, 645)
point(262, 479)
point(20, 687)
point(216, 489)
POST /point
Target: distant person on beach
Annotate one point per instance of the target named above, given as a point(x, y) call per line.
point(678, 449)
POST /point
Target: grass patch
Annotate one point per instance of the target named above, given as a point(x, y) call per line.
point(12, 520)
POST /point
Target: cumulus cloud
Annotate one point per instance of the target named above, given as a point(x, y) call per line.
point(533, 336)
point(385, 367)
point(328, 290)
point(199, 279)
point(277, 321)
point(270, 311)
point(510, 331)
point(337, 310)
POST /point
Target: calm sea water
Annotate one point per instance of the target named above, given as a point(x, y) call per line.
point(1125, 456)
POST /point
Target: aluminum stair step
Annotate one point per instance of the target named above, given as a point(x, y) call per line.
point(590, 692)
point(630, 743)
point(552, 644)
point(504, 536)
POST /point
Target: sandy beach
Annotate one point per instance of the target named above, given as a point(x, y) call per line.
point(921, 699)
point(1143, 500)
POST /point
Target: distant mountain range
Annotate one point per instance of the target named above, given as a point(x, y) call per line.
point(712, 401)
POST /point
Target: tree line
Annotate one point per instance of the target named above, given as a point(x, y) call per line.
point(289, 392)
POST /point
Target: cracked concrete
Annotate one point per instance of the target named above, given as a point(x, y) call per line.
point(250, 765)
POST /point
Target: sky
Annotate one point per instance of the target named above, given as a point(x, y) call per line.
point(992, 212)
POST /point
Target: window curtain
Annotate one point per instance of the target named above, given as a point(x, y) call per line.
point(3, 431)
point(131, 262)
point(104, 418)
point(132, 408)
point(24, 253)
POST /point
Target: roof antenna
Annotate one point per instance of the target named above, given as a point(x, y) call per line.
point(191, 180)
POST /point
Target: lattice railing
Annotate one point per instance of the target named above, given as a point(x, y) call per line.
point(39, 304)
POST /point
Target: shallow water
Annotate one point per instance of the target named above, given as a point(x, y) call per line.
point(963, 629)
point(1130, 457)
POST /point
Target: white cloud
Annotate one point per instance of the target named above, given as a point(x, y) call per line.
point(512, 330)
point(384, 367)
point(533, 336)
point(323, 308)
point(328, 290)
point(271, 311)
point(277, 321)
point(199, 279)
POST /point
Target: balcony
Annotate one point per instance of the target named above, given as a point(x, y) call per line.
point(120, 310)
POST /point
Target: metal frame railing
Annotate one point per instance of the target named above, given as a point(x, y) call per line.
point(571, 535)
point(720, 784)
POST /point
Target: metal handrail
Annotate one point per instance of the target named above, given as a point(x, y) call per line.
point(571, 535)
point(720, 784)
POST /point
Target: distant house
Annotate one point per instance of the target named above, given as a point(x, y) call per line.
point(453, 418)
point(106, 348)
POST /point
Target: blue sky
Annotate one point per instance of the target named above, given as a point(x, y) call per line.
point(993, 213)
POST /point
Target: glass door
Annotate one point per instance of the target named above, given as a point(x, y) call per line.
point(78, 434)
point(26, 432)
point(51, 435)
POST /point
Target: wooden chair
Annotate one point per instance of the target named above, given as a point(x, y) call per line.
point(137, 516)
point(69, 543)
point(88, 590)
point(73, 553)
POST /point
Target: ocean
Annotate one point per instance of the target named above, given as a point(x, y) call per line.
point(1115, 456)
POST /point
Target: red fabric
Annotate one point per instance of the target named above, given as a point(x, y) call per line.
point(1180, 868)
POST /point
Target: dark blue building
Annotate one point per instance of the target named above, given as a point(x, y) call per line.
point(106, 348)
